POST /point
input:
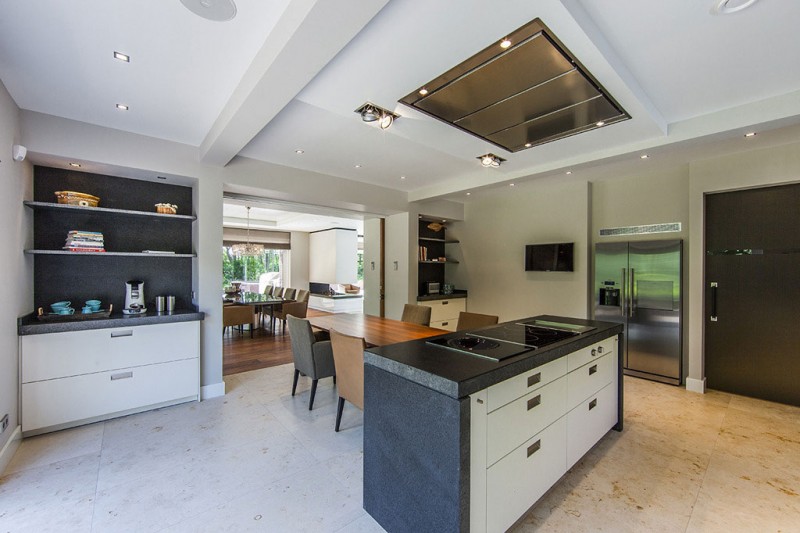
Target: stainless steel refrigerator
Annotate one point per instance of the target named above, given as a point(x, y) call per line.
point(638, 284)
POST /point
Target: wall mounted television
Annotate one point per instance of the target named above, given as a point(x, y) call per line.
point(557, 257)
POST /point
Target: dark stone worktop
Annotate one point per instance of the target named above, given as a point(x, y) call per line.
point(30, 325)
point(458, 375)
point(456, 294)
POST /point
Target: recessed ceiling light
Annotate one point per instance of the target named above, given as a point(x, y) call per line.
point(469, 193)
point(423, 91)
point(600, 124)
point(122, 57)
point(505, 43)
point(358, 166)
point(568, 172)
point(122, 107)
point(750, 134)
point(76, 165)
point(643, 156)
point(444, 220)
point(726, 7)
point(510, 184)
point(299, 151)
point(528, 145)
point(402, 177)
point(216, 10)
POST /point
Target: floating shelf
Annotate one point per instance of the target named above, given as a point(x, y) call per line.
point(439, 262)
point(429, 239)
point(94, 254)
point(104, 210)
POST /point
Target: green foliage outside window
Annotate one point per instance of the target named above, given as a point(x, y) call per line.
point(248, 268)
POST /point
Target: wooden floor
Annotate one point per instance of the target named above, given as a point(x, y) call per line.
point(240, 353)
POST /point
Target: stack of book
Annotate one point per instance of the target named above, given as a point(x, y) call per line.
point(423, 253)
point(84, 241)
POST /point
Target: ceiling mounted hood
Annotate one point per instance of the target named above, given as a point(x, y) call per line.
point(522, 91)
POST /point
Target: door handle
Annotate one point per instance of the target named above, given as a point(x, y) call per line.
point(714, 286)
point(624, 306)
point(633, 295)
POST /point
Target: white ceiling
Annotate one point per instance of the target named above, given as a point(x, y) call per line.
point(264, 216)
point(287, 74)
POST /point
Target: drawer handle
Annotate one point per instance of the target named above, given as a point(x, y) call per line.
point(533, 402)
point(594, 352)
point(126, 333)
point(592, 369)
point(445, 323)
point(533, 448)
point(599, 349)
point(121, 375)
point(593, 404)
point(534, 379)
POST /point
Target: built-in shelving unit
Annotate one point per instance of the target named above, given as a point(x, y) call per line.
point(432, 245)
point(127, 218)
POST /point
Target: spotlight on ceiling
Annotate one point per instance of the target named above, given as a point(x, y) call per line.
point(490, 160)
point(373, 113)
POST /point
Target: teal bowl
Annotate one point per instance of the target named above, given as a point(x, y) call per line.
point(60, 305)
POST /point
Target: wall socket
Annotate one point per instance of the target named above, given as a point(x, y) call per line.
point(4, 423)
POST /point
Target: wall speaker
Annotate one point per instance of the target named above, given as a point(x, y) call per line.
point(18, 152)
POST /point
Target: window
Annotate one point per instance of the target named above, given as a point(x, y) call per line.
point(249, 270)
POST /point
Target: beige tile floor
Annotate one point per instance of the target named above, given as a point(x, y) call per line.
point(258, 460)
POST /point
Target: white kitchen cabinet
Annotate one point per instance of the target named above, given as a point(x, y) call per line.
point(77, 377)
point(526, 431)
point(444, 313)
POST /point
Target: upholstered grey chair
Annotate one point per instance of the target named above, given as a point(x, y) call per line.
point(312, 357)
point(416, 314)
point(289, 293)
point(474, 320)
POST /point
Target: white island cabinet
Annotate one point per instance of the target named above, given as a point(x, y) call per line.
point(77, 377)
point(526, 431)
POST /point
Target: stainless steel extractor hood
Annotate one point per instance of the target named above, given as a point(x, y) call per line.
point(520, 92)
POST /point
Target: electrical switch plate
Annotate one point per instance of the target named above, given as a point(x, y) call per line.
point(4, 423)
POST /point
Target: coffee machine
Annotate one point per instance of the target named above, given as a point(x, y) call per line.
point(134, 297)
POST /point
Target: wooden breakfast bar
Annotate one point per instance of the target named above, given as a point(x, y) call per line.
point(375, 330)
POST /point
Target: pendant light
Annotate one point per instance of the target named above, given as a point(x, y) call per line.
point(247, 249)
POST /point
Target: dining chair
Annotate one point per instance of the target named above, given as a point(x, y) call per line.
point(302, 295)
point(416, 314)
point(296, 309)
point(289, 293)
point(348, 358)
point(474, 320)
point(238, 315)
point(277, 292)
point(312, 357)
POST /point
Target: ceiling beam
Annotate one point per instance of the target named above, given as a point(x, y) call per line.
point(309, 34)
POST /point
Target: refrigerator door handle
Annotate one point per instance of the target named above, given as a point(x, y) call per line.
point(633, 295)
point(624, 295)
point(714, 286)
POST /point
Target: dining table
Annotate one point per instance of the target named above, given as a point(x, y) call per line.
point(259, 301)
point(375, 330)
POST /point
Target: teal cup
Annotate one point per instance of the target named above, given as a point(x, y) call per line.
point(86, 310)
point(94, 304)
point(59, 305)
point(65, 310)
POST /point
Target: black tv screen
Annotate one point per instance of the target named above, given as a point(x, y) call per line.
point(549, 257)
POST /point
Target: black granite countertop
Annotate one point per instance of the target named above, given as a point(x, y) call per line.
point(30, 325)
point(457, 374)
point(456, 294)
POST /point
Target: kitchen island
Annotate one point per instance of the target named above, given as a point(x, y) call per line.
point(455, 441)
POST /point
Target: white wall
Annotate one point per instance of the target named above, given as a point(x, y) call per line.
point(493, 237)
point(400, 289)
point(299, 260)
point(333, 256)
point(16, 290)
point(372, 266)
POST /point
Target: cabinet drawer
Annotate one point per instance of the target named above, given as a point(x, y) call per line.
point(523, 476)
point(449, 325)
point(57, 355)
point(77, 398)
point(513, 388)
point(444, 310)
point(588, 379)
point(518, 421)
point(580, 357)
point(587, 423)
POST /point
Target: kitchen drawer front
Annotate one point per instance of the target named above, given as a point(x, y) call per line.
point(77, 398)
point(590, 421)
point(588, 379)
point(518, 421)
point(57, 355)
point(445, 310)
point(449, 325)
point(513, 388)
point(578, 358)
point(523, 476)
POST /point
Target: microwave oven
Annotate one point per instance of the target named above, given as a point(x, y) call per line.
point(432, 287)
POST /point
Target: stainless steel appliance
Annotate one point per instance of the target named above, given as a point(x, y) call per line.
point(507, 340)
point(432, 287)
point(134, 297)
point(638, 284)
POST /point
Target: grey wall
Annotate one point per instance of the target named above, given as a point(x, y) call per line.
point(16, 290)
point(299, 261)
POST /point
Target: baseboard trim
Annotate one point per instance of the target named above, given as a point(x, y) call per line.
point(212, 391)
point(696, 385)
point(10, 448)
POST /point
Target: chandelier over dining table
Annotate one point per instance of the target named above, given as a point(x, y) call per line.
point(247, 249)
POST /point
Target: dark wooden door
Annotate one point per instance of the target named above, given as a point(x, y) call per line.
point(752, 285)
